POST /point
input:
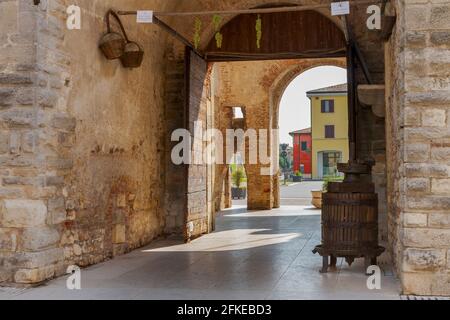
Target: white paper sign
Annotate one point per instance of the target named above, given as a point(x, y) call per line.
point(340, 8)
point(144, 16)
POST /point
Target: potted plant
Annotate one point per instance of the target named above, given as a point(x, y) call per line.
point(297, 177)
point(317, 198)
point(237, 192)
point(317, 194)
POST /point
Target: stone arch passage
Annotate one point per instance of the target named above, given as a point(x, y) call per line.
point(277, 90)
point(259, 86)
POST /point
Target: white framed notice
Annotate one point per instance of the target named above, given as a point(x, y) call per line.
point(144, 16)
point(340, 8)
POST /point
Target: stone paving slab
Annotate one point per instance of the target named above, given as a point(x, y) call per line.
point(251, 255)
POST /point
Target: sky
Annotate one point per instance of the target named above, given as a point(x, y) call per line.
point(295, 113)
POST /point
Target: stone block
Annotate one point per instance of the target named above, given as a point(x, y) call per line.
point(14, 142)
point(48, 99)
point(57, 210)
point(440, 38)
point(5, 276)
point(119, 233)
point(25, 96)
point(6, 97)
point(31, 260)
point(416, 17)
point(77, 250)
point(427, 170)
point(8, 16)
point(425, 283)
point(54, 181)
point(424, 259)
point(415, 219)
point(439, 220)
point(8, 240)
point(439, 16)
point(22, 213)
point(63, 122)
point(434, 118)
point(15, 79)
point(426, 238)
point(425, 202)
point(4, 142)
point(30, 276)
point(412, 116)
point(39, 238)
point(59, 163)
point(417, 152)
point(416, 39)
point(440, 186)
point(28, 142)
point(19, 117)
point(418, 184)
point(440, 152)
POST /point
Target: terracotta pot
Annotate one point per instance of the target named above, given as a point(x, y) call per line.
point(317, 199)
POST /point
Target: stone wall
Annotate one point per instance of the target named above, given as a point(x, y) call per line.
point(82, 145)
point(419, 128)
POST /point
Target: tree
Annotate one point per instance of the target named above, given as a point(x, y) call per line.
point(237, 177)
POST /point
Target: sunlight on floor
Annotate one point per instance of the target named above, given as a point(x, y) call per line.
point(233, 240)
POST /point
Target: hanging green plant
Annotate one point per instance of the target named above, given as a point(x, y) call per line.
point(219, 40)
point(217, 20)
point(197, 32)
point(258, 31)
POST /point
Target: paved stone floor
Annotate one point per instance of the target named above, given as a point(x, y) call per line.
point(252, 255)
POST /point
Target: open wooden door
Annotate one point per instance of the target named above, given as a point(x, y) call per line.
point(198, 213)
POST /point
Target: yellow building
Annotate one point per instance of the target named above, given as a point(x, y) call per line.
point(330, 143)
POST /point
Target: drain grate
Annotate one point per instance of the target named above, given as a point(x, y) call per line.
point(424, 298)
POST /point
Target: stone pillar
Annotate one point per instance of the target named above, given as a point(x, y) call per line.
point(227, 201)
point(419, 129)
point(35, 132)
point(276, 191)
point(259, 189)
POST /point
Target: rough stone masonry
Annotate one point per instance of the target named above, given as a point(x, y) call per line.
point(85, 170)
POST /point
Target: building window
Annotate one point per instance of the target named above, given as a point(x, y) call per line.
point(304, 145)
point(330, 162)
point(238, 113)
point(329, 132)
point(327, 106)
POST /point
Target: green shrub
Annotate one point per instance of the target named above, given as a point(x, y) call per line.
point(328, 179)
point(238, 177)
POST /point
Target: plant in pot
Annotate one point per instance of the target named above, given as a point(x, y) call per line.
point(297, 176)
point(238, 192)
point(317, 194)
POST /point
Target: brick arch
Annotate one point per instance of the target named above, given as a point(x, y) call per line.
point(288, 75)
point(276, 91)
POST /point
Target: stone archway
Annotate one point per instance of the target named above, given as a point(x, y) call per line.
point(277, 89)
point(259, 86)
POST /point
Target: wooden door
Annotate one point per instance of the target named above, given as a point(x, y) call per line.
point(197, 215)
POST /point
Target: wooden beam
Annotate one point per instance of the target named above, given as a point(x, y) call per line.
point(229, 57)
point(250, 11)
point(363, 63)
point(352, 103)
